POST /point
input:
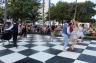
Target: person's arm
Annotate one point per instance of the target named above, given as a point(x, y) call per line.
point(68, 30)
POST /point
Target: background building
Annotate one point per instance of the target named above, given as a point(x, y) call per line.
point(2, 3)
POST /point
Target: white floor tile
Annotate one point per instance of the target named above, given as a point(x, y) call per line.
point(5, 43)
point(40, 48)
point(20, 48)
point(1, 44)
point(42, 56)
point(86, 42)
point(47, 36)
point(2, 48)
point(25, 39)
point(71, 55)
point(80, 46)
point(55, 43)
point(92, 45)
point(28, 35)
point(39, 43)
point(78, 61)
point(38, 40)
point(93, 41)
point(12, 58)
point(89, 52)
point(22, 43)
point(58, 47)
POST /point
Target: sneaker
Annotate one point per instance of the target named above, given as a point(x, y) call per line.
point(65, 49)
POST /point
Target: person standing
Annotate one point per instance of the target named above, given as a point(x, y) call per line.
point(73, 36)
point(53, 32)
point(66, 36)
point(24, 31)
point(6, 31)
point(80, 33)
point(15, 34)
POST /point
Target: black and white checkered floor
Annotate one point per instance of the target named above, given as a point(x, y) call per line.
point(39, 49)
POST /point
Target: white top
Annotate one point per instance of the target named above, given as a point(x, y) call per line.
point(68, 30)
point(9, 28)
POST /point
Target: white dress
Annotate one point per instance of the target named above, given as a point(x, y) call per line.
point(80, 32)
point(74, 33)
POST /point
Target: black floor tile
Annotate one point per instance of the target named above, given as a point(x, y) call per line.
point(8, 46)
point(87, 58)
point(28, 60)
point(30, 42)
point(76, 50)
point(5, 52)
point(58, 59)
point(91, 48)
point(93, 43)
point(30, 45)
point(82, 44)
point(1, 62)
point(28, 52)
point(49, 45)
point(53, 51)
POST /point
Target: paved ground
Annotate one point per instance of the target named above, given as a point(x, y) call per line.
point(39, 49)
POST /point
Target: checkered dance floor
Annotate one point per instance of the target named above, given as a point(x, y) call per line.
point(39, 49)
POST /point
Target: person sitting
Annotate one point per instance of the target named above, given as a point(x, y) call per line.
point(94, 32)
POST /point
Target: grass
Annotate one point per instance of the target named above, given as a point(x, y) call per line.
point(90, 37)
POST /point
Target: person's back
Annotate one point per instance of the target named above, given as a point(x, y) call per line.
point(66, 36)
point(15, 28)
point(15, 34)
point(65, 28)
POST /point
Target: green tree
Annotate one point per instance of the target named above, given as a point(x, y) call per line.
point(85, 11)
point(1, 14)
point(59, 12)
point(23, 9)
point(65, 11)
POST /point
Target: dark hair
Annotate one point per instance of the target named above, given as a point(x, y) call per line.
point(70, 24)
point(68, 21)
point(82, 25)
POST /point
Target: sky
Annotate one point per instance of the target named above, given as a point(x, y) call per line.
point(55, 1)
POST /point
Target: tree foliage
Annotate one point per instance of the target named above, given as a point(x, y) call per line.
point(1, 12)
point(65, 11)
point(1, 15)
point(23, 9)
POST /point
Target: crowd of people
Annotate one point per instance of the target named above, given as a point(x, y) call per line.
point(71, 31)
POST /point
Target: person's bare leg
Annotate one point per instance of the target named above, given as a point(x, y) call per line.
point(3, 42)
point(73, 44)
point(9, 42)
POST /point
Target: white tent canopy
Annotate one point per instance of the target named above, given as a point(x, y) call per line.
point(94, 17)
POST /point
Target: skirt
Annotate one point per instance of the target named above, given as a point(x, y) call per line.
point(80, 34)
point(6, 35)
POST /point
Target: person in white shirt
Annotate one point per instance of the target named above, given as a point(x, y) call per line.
point(81, 33)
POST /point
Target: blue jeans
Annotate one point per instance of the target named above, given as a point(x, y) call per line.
point(66, 40)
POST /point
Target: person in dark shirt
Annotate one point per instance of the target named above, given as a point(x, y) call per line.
point(24, 31)
point(15, 34)
point(53, 32)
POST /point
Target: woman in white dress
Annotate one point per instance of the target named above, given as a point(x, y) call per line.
point(81, 33)
point(74, 36)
